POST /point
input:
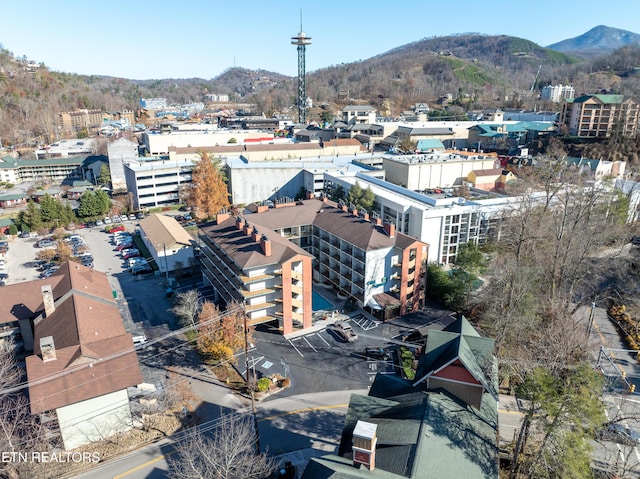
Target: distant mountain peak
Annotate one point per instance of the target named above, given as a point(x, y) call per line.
point(599, 40)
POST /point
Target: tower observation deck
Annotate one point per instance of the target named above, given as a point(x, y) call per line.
point(302, 41)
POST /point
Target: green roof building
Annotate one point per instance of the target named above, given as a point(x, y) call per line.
point(442, 425)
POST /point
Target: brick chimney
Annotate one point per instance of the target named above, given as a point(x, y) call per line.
point(265, 245)
point(377, 220)
point(255, 236)
point(247, 228)
point(390, 229)
point(220, 217)
point(344, 208)
point(364, 444)
point(239, 223)
point(364, 214)
point(47, 349)
point(47, 300)
point(310, 195)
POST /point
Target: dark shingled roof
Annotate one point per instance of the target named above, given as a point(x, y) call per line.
point(247, 253)
point(354, 229)
point(94, 353)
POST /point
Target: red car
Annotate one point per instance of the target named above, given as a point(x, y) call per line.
point(124, 246)
point(116, 229)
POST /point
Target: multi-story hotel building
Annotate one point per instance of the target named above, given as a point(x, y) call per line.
point(598, 115)
point(156, 182)
point(269, 259)
point(74, 121)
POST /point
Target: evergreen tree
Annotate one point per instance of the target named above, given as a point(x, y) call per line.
point(104, 202)
point(361, 198)
point(49, 209)
point(104, 178)
point(31, 216)
point(88, 205)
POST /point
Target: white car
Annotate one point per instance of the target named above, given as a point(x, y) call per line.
point(107, 220)
point(99, 223)
point(122, 239)
point(132, 217)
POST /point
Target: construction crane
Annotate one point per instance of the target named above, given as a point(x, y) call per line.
point(535, 79)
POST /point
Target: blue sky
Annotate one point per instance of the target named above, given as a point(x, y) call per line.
point(143, 39)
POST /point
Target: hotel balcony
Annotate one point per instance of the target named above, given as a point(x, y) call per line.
point(253, 279)
point(262, 319)
point(259, 292)
point(257, 307)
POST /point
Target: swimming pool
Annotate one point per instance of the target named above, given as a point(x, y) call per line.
point(319, 302)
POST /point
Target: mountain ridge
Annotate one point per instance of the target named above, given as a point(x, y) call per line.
point(600, 40)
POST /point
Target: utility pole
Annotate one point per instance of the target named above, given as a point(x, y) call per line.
point(249, 384)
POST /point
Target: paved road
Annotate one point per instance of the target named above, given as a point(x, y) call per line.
point(298, 424)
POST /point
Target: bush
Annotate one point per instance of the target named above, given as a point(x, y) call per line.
point(13, 229)
point(263, 384)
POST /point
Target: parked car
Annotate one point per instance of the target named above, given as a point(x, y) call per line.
point(124, 246)
point(4, 244)
point(131, 217)
point(139, 260)
point(141, 269)
point(116, 228)
point(139, 215)
point(179, 217)
point(99, 223)
point(45, 243)
point(90, 224)
point(4, 276)
point(619, 433)
point(187, 217)
point(122, 240)
point(107, 220)
point(344, 331)
point(24, 234)
point(191, 223)
point(130, 253)
point(381, 354)
point(116, 219)
point(47, 273)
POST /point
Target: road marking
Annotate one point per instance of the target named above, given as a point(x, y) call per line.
point(142, 466)
point(294, 347)
point(310, 345)
point(325, 341)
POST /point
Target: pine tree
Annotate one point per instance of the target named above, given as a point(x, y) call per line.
point(209, 191)
point(104, 202)
point(88, 205)
point(31, 216)
point(104, 178)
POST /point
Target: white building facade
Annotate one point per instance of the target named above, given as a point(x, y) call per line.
point(557, 93)
point(157, 182)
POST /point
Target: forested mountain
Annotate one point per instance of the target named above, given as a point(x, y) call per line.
point(476, 71)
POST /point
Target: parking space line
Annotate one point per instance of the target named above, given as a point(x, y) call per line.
point(310, 345)
point(294, 347)
point(325, 341)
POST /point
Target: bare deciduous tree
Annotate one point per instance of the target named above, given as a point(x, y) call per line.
point(187, 307)
point(230, 453)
